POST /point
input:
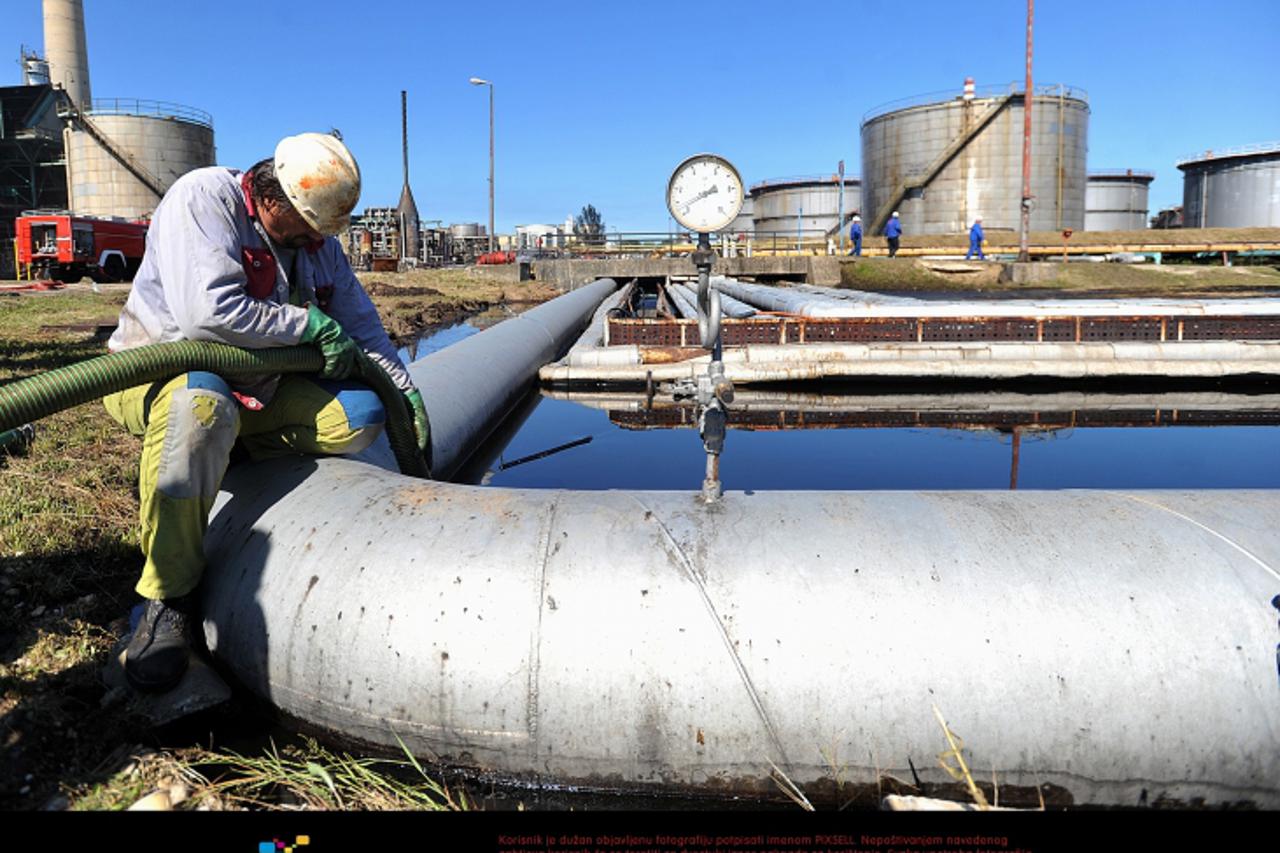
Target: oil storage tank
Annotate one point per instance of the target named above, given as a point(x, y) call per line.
point(123, 155)
point(1116, 200)
point(1235, 188)
point(942, 161)
point(745, 222)
point(810, 204)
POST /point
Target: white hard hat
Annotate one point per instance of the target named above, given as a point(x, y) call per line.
point(320, 177)
point(977, 219)
point(857, 218)
point(895, 213)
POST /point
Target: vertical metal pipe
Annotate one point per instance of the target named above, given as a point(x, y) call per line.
point(404, 133)
point(1013, 469)
point(1028, 99)
point(1061, 137)
point(491, 234)
point(840, 217)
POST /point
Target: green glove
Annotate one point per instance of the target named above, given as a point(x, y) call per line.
point(421, 428)
point(338, 349)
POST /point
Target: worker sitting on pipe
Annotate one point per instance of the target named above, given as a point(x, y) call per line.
point(249, 260)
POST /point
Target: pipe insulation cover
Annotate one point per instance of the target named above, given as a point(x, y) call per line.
point(1108, 643)
point(470, 387)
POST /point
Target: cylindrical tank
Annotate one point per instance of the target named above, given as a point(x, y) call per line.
point(1116, 200)
point(810, 204)
point(467, 229)
point(745, 222)
point(163, 140)
point(35, 71)
point(1237, 188)
point(952, 160)
point(536, 236)
point(66, 49)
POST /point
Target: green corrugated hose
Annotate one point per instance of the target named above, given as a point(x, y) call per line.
point(40, 396)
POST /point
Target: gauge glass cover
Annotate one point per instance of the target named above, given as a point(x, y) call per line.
point(705, 193)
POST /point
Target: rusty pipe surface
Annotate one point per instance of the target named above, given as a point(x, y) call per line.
point(646, 640)
point(937, 360)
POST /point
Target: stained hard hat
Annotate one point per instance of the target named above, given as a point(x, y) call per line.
point(321, 179)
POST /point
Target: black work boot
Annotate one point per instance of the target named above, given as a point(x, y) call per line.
point(156, 657)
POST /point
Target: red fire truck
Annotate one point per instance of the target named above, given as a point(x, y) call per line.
point(66, 247)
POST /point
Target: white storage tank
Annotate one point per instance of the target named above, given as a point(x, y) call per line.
point(1116, 200)
point(942, 161)
point(134, 152)
point(1236, 188)
point(809, 205)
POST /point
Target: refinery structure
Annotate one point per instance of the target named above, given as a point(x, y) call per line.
point(939, 161)
point(399, 550)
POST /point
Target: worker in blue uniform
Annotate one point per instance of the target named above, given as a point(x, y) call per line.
point(855, 237)
point(975, 240)
point(892, 232)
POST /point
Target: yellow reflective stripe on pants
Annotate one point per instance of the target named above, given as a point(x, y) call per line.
point(188, 426)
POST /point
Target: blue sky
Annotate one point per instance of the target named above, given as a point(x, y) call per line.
point(597, 102)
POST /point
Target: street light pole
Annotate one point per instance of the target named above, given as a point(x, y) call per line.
point(476, 81)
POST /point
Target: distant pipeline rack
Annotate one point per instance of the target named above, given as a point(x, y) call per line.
point(803, 333)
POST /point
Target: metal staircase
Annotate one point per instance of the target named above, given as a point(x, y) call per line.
point(921, 180)
point(69, 112)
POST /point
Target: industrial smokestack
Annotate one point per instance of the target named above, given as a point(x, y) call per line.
point(407, 211)
point(66, 50)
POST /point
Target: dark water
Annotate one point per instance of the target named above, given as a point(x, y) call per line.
point(604, 455)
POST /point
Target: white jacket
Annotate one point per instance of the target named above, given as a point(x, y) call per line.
point(207, 275)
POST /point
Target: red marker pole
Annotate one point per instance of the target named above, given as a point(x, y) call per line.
point(1029, 96)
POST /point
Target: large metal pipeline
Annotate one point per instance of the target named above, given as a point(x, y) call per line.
point(473, 384)
point(982, 360)
point(1121, 646)
point(687, 294)
point(816, 302)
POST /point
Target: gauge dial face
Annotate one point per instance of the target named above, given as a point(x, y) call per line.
point(705, 193)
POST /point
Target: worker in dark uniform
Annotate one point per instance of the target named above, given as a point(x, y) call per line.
point(892, 232)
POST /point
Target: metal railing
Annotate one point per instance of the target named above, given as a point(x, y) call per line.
point(156, 109)
point(1237, 151)
point(849, 180)
point(641, 244)
point(1121, 173)
point(995, 90)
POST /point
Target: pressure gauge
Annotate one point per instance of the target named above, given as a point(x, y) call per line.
point(705, 193)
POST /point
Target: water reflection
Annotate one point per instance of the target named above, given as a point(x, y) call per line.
point(970, 441)
point(832, 439)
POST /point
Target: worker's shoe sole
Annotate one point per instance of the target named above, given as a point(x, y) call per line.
point(156, 658)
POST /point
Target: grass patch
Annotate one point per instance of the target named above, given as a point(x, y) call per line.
point(310, 776)
point(1073, 279)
